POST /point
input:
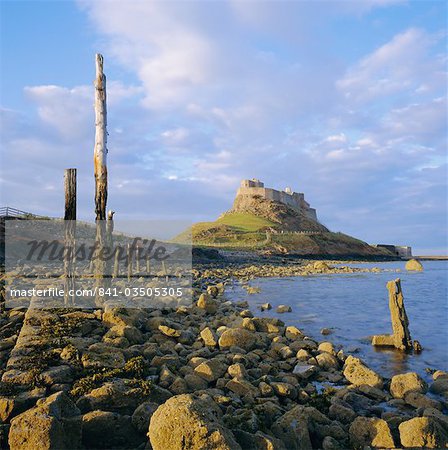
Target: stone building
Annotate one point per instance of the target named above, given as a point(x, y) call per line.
point(295, 200)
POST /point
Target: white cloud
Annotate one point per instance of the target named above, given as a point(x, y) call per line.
point(402, 64)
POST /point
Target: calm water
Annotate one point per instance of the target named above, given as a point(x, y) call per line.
point(355, 306)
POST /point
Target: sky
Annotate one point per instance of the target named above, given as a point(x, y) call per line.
point(342, 100)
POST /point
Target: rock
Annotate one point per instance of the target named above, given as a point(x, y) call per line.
point(54, 423)
point(115, 396)
point(423, 432)
point(108, 430)
point(327, 361)
point(237, 337)
point(258, 441)
point(241, 387)
point(213, 291)
point(265, 306)
point(11, 406)
point(341, 413)
point(284, 309)
point(132, 334)
point(195, 383)
point(305, 371)
point(418, 400)
point(326, 331)
point(327, 347)
point(237, 371)
point(101, 356)
point(440, 386)
point(246, 313)
point(370, 431)
point(57, 374)
point(292, 333)
point(168, 331)
point(414, 265)
point(211, 370)
point(206, 303)
point(209, 337)
point(292, 429)
point(357, 373)
point(400, 385)
point(186, 422)
point(142, 415)
point(284, 389)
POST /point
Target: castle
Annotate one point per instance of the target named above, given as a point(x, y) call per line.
point(295, 200)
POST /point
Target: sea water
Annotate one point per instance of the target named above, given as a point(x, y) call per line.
point(355, 307)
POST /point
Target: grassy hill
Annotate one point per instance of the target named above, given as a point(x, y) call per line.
point(246, 231)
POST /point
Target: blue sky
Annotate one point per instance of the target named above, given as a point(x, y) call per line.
point(345, 101)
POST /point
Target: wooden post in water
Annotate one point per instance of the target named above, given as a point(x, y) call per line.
point(401, 337)
point(69, 235)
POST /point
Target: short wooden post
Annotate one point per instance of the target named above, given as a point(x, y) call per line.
point(148, 265)
point(116, 271)
point(137, 259)
point(129, 261)
point(69, 235)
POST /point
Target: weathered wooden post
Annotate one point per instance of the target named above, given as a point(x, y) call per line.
point(137, 259)
point(69, 235)
point(401, 337)
point(100, 150)
point(116, 271)
point(148, 265)
point(100, 173)
point(70, 194)
point(129, 261)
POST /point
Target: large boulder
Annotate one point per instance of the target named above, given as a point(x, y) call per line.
point(186, 422)
point(358, 373)
point(54, 423)
point(370, 432)
point(424, 432)
point(414, 265)
point(238, 337)
point(400, 385)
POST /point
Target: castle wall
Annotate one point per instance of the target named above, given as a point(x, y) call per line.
point(295, 200)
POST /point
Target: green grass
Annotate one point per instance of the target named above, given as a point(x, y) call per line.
point(245, 222)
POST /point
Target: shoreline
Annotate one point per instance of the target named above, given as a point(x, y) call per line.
point(250, 382)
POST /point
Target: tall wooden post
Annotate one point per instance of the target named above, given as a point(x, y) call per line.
point(69, 235)
point(100, 172)
point(100, 150)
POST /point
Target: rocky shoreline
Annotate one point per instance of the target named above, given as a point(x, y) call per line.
point(210, 375)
